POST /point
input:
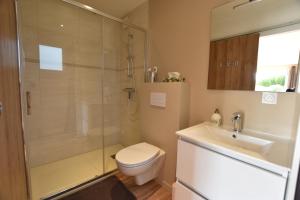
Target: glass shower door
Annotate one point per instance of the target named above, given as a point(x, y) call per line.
point(124, 60)
point(111, 92)
point(62, 71)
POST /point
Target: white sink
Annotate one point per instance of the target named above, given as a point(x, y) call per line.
point(253, 150)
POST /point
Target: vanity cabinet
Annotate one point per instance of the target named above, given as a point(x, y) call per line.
point(233, 63)
point(215, 176)
point(181, 192)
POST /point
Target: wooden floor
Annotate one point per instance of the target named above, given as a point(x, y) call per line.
point(149, 191)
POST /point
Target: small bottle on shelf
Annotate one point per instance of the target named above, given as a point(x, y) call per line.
point(216, 118)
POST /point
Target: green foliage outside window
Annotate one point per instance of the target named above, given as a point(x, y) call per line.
point(280, 80)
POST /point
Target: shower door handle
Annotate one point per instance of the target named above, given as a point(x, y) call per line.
point(28, 103)
point(1, 108)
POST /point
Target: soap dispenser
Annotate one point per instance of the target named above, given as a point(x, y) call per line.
point(216, 118)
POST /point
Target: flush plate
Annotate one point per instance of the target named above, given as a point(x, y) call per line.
point(158, 99)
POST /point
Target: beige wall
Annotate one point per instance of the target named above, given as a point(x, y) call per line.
point(180, 33)
point(160, 124)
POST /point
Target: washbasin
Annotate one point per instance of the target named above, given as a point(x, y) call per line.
point(254, 149)
point(206, 133)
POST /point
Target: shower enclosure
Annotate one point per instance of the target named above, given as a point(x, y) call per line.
point(80, 74)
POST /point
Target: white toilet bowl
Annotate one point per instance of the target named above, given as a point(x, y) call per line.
point(143, 161)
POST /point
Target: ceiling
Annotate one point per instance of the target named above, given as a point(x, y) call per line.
point(116, 8)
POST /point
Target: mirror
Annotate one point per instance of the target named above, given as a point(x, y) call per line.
point(255, 45)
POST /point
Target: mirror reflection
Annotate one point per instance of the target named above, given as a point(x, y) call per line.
point(255, 45)
point(278, 58)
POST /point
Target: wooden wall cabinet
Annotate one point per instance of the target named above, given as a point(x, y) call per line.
point(233, 62)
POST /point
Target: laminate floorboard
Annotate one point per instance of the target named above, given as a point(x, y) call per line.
point(150, 191)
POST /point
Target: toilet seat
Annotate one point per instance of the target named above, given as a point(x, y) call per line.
point(137, 155)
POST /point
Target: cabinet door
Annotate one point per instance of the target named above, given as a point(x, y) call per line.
point(181, 192)
point(248, 61)
point(233, 63)
point(218, 59)
point(218, 177)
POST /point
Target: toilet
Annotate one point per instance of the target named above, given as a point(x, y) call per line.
point(143, 161)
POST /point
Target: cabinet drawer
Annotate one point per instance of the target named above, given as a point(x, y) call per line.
point(180, 192)
point(218, 177)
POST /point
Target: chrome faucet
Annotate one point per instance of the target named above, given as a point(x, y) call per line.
point(237, 120)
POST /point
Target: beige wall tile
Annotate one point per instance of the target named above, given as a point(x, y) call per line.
point(90, 26)
point(28, 13)
point(111, 34)
point(130, 110)
point(31, 72)
point(29, 42)
point(112, 58)
point(54, 13)
point(88, 52)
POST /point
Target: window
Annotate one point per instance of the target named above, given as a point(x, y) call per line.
point(50, 58)
point(277, 64)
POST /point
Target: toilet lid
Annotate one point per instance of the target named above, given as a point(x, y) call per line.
point(137, 154)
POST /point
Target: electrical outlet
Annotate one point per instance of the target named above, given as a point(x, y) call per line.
point(269, 98)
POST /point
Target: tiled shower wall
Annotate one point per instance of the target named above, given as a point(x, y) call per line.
point(70, 107)
point(130, 109)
